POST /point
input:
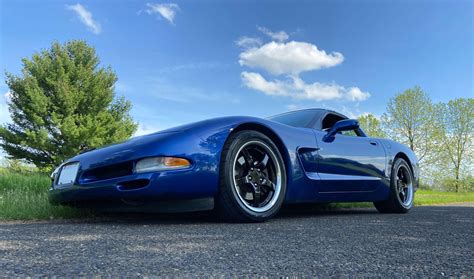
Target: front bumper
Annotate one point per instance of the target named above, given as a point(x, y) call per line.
point(138, 188)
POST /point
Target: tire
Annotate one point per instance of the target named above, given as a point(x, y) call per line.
point(252, 178)
point(401, 180)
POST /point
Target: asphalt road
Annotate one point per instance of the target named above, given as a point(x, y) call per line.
point(427, 242)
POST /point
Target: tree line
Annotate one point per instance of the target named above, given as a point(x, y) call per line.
point(441, 135)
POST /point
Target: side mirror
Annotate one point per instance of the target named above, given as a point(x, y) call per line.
point(339, 126)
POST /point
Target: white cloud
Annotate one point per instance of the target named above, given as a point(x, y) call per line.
point(289, 58)
point(86, 17)
point(296, 88)
point(279, 57)
point(167, 11)
point(248, 42)
point(279, 36)
point(355, 94)
point(257, 82)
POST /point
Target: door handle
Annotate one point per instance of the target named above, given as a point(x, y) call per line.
point(373, 143)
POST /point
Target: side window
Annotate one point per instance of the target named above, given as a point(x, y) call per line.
point(351, 133)
point(329, 121)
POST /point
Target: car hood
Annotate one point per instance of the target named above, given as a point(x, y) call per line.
point(174, 141)
point(119, 152)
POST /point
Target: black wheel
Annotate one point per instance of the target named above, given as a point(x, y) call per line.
point(401, 190)
point(252, 178)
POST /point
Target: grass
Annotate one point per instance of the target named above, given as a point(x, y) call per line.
point(429, 197)
point(25, 197)
point(422, 197)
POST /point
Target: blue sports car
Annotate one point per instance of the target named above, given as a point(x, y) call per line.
point(244, 168)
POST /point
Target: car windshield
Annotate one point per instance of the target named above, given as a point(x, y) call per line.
point(301, 118)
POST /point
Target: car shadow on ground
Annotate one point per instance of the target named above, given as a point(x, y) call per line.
point(287, 212)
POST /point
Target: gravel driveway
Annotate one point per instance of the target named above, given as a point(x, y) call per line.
point(427, 242)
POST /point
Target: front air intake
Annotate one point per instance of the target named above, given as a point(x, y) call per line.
point(107, 172)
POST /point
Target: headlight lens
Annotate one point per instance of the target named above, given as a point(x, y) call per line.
point(161, 163)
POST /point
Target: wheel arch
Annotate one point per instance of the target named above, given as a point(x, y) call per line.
point(404, 157)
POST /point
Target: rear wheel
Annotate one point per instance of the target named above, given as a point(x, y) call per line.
point(252, 178)
point(401, 190)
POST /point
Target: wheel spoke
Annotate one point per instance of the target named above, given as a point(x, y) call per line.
point(257, 194)
point(264, 162)
point(241, 180)
point(268, 183)
point(248, 157)
point(400, 187)
point(403, 197)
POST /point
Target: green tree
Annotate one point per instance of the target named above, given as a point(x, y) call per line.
point(456, 126)
point(62, 104)
point(371, 125)
point(410, 119)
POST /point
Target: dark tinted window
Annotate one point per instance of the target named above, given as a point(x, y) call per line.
point(301, 118)
point(329, 121)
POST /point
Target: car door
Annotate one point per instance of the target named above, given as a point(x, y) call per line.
point(351, 162)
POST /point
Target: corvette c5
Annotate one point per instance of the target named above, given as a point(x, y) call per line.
point(244, 168)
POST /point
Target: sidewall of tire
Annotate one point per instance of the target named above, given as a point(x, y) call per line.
point(393, 204)
point(394, 187)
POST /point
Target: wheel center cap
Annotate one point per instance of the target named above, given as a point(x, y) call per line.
point(255, 176)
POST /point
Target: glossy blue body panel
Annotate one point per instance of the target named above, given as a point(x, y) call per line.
point(346, 169)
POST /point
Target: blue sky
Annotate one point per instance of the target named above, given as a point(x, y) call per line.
point(184, 61)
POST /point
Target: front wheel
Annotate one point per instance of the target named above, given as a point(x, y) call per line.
point(401, 190)
point(252, 178)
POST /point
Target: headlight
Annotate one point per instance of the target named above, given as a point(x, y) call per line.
point(161, 163)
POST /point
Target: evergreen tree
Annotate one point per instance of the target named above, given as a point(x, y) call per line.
point(63, 103)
